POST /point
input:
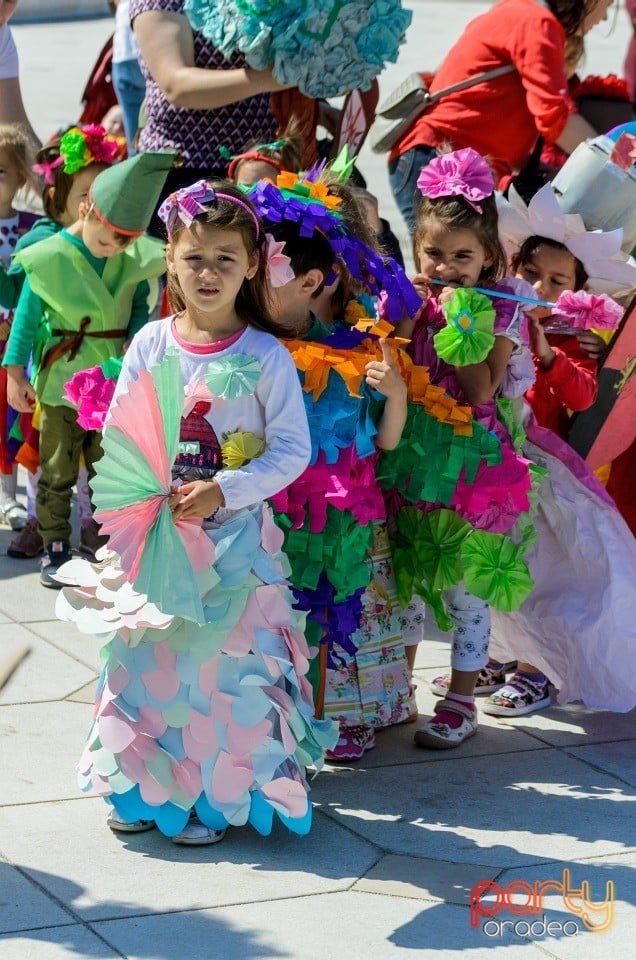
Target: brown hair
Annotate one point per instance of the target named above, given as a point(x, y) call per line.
point(571, 13)
point(455, 213)
point(16, 144)
point(529, 247)
point(286, 152)
point(252, 301)
point(55, 195)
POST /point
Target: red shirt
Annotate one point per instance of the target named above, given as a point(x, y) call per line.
point(500, 118)
point(570, 384)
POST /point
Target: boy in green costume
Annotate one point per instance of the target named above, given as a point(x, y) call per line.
point(84, 297)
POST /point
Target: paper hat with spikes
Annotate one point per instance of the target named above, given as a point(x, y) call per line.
point(125, 195)
point(309, 205)
point(608, 268)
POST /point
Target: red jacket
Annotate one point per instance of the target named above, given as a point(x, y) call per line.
point(569, 384)
point(500, 118)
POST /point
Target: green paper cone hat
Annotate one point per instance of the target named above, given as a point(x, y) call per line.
point(125, 195)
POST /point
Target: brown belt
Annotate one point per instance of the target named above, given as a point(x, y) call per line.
point(73, 340)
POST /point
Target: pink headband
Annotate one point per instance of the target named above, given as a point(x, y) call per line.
point(186, 204)
point(462, 173)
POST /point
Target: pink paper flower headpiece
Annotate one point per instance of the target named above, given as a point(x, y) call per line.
point(186, 205)
point(462, 173)
point(279, 268)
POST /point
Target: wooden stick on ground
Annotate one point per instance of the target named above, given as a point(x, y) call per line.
point(9, 663)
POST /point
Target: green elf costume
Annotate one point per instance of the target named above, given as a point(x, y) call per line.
point(76, 311)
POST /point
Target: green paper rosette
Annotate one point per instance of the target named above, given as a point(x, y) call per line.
point(494, 569)
point(233, 376)
point(435, 540)
point(468, 336)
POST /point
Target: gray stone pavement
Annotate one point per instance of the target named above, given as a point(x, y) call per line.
point(399, 840)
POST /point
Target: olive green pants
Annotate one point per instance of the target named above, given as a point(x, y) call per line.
point(62, 441)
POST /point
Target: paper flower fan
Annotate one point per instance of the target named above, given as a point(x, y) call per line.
point(131, 489)
point(468, 336)
point(436, 540)
point(586, 311)
point(325, 48)
point(494, 570)
point(233, 376)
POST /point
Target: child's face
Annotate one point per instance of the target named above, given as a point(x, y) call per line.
point(79, 192)
point(451, 255)
point(211, 264)
point(550, 271)
point(10, 183)
point(100, 239)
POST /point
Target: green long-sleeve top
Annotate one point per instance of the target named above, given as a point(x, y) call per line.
point(29, 312)
point(12, 278)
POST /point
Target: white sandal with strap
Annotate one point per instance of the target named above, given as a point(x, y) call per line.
point(14, 514)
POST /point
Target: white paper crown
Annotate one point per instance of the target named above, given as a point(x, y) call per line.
point(609, 269)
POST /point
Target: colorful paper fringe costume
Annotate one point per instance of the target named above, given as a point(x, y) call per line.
point(333, 515)
point(203, 703)
point(460, 492)
point(325, 48)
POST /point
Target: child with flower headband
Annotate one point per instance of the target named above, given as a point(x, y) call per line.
point(67, 168)
point(461, 518)
point(15, 173)
point(333, 515)
point(217, 669)
point(564, 258)
point(69, 326)
point(565, 603)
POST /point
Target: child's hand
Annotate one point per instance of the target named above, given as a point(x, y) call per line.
point(201, 498)
point(592, 344)
point(422, 285)
point(539, 343)
point(20, 393)
point(384, 376)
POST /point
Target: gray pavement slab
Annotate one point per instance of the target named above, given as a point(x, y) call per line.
point(46, 674)
point(99, 875)
point(56, 943)
point(361, 927)
point(65, 637)
point(41, 744)
point(503, 810)
point(24, 906)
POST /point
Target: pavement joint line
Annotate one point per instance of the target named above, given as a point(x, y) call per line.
point(77, 919)
point(46, 926)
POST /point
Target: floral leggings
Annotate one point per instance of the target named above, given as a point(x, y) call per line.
point(471, 637)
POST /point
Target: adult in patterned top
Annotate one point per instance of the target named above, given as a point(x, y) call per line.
point(191, 92)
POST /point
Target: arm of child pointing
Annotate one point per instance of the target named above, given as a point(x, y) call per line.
point(384, 376)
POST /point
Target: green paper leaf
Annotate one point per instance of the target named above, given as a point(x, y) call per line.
point(233, 376)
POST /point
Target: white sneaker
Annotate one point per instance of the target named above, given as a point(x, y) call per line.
point(119, 825)
point(196, 834)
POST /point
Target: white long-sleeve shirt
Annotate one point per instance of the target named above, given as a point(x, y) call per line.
point(274, 412)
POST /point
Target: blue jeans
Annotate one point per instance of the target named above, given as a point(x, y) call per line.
point(403, 174)
point(130, 90)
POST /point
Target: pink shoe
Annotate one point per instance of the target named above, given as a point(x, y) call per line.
point(353, 743)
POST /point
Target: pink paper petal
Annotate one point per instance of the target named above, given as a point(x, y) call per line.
point(138, 415)
point(115, 733)
point(152, 723)
point(203, 728)
point(243, 740)
point(162, 685)
point(153, 793)
point(230, 778)
point(288, 794)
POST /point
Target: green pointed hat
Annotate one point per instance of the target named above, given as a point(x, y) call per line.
point(124, 196)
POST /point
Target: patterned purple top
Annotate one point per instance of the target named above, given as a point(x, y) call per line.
point(198, 134)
